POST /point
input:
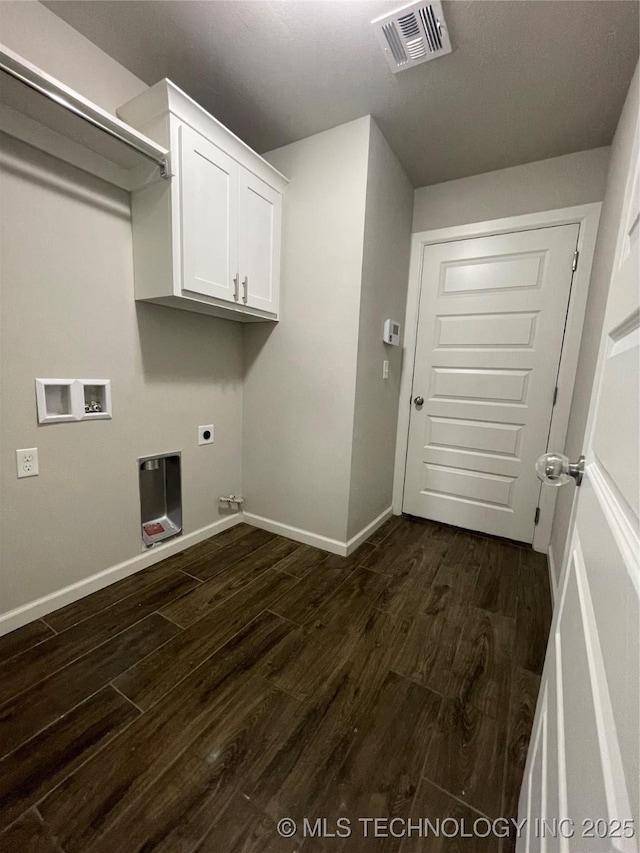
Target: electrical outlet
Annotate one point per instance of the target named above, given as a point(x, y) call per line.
point(205, 434)
point(27, 462)
point(385, 369)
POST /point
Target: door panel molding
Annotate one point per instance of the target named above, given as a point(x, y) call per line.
point(622, 528)
point(613, 766)
point(549, 749)
point(587, 217)
point(537, 790)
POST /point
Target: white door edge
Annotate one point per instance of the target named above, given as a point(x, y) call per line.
point(587, 216)
point(601, 513)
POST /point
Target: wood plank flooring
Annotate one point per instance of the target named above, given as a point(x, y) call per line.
point(192, 706)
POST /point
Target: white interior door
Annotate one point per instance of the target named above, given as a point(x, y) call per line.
point(583, 767)
point(209, 202)
point(490, 329)
point(260, 218)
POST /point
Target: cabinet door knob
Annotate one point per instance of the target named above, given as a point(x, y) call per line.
point(236, 286)
point(245, 287)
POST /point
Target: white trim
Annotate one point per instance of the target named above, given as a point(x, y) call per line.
point(587, 216)
point(334, 546)
point(568, 364)
point(605, 346)
point(367, 531)
point(48, 603)
point(297, 533)
point(616, 794)
point(554, 638)
point(553, 580)
point(622, 528)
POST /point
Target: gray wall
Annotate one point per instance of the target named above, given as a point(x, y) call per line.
point(385, 272)
point(68, 311)
point(48, 42)
point(545, 185)
point(621, 151)
point(300, 376)
point(319, 420)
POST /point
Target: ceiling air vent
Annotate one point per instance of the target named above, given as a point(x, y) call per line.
point(413, 34)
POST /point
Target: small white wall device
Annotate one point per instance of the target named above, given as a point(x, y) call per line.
point(391, 333)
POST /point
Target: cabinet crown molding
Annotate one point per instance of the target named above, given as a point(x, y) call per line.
point(149, 107)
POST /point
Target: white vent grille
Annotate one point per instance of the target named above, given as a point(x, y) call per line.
point(413, 34)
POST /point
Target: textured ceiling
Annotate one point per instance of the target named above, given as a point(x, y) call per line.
point(528, 79)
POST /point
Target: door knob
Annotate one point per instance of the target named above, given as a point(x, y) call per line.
point(418, 400)
point(554, 469)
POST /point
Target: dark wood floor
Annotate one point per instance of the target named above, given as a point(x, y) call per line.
point(193, 705)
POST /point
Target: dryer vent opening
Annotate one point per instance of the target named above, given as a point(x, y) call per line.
point(160, 497)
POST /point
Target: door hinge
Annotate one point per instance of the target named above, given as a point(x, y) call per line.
point(537, 518)
point(574, 265)
point(555, 395)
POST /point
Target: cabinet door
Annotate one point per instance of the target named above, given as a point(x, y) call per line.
point(260, 224)
point(209, 217)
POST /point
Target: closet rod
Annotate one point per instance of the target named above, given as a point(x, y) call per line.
point(60, 94)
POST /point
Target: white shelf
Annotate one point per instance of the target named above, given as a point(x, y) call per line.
point(72, 128)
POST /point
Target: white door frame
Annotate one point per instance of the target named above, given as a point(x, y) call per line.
point(587, 216)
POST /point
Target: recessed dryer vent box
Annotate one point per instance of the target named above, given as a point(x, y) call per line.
point(160, 497)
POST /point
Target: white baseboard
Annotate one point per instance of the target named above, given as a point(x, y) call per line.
point(48, 603)
point(367, 531)
point(553, 579)
point(334, 546)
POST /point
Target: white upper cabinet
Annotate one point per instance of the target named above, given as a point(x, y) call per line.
point(208, 240)
point(259, 252)
point(209, 217)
